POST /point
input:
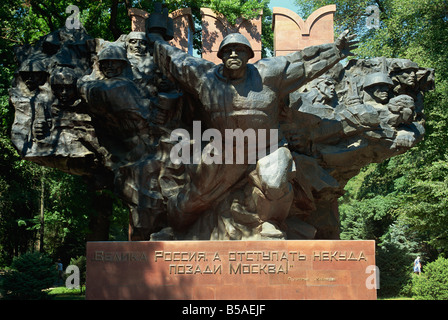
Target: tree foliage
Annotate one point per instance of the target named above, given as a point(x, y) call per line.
point(432, 284)
point(394, 260)
point(30, 274)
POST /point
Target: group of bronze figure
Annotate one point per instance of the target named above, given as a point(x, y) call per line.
point(106, 110)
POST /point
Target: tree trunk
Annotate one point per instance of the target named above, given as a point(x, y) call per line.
point(42, 217)
point(99, 223)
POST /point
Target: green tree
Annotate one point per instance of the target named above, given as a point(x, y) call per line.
point(30, 274)
point(368, 219)
point(394, 260)
point(19, 196)
point(425, 206)
point(432, 284)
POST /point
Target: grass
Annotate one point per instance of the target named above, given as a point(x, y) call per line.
point(397, 298)
point(62, 293)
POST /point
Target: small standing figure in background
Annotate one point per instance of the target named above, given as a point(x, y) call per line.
point(417, 266)
point(60, 268)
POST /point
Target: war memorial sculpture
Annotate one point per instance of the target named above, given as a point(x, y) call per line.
point(199, 151)
point(228, 151)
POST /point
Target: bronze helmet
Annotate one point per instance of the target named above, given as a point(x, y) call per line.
point(235, 38)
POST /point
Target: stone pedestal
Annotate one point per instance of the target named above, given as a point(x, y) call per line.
point(231, 270)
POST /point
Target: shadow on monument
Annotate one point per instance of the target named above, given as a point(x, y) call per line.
point(129, 271)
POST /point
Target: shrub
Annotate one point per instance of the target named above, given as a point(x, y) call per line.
point(432, 284)
point(393, 263)
point(30, 274)
point(393, 259)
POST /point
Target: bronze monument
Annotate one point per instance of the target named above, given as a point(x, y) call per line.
point(199, 151)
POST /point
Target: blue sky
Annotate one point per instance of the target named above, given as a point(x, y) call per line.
point(288, 4)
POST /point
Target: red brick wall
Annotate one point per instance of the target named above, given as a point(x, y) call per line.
point(182, 20)
point(215, 27)
point(292, 33)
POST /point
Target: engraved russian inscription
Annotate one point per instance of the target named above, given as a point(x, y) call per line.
point(247, 262)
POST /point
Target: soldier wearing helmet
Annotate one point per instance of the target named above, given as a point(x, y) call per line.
point(237, 95)
point(63, 84)
point(377, 86)
point(402, 108)
point(404, 75)
point(113, 61)
point(235, 39)
point(33, 73)
point(405, 72)
point(136, 44)
point(235, 51)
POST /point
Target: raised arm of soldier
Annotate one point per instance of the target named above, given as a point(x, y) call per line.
point(311, 62)
point(331, 53)
point(290, 72)
point(173, 62)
